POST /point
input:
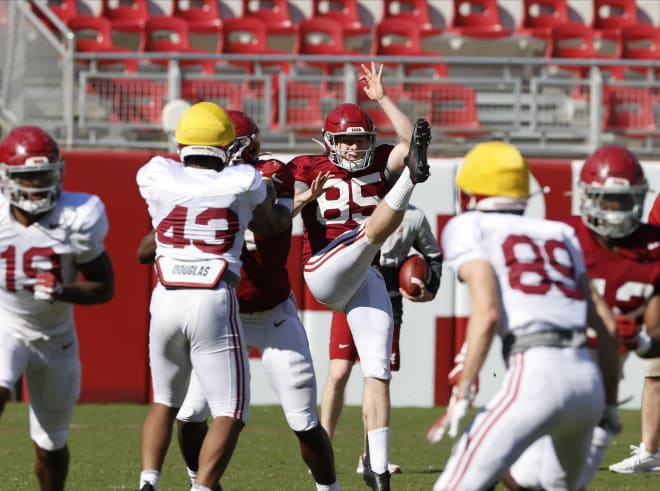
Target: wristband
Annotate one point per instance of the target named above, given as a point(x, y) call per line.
point(644, 343)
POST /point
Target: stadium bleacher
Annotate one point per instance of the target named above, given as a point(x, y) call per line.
point(253, 56)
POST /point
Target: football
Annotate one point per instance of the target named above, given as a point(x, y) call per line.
point(413, 267)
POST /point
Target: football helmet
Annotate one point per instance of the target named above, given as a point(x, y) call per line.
point(29, 153)
point(349, 120)
point(248, 141)
point(205, 129)
point(494, 177)
point(612, 191)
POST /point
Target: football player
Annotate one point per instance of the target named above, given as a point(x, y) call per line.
point(528, 284)
point(351, 198)
point(48, 237)
point(269, 316)
point(414, 232)
point(199, 212)
point(623, 260)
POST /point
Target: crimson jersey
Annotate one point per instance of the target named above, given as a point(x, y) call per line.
point(626, 278)
point(654, 214)
point(264, 277)
point(349, 197)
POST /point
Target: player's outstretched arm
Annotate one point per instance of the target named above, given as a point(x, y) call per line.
point(401, 123)
point(97, 285)
point(269, 217)
point(305, 196)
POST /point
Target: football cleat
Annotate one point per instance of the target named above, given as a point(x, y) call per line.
point(147, 487)
point(640, 461)
point(416, 159)
point(392, 468)
point(377, 482)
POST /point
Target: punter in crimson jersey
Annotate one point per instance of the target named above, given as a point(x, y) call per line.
point(352, 197)
point(270, 324)
point(623, 260)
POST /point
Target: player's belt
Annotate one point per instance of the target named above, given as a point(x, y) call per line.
point(556, 338)
point(179, 273)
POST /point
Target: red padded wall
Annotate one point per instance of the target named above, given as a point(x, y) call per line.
point(113, 336)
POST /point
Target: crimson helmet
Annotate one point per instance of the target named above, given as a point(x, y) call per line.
point(248, 141)
point(612, 190)
point(349, 120)
point(26, 150)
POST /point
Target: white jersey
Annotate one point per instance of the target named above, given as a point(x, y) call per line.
point(414, 230)
point(71, 233)
point(200, 213)
point(537, 264)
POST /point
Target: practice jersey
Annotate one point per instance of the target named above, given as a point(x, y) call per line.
point(349, 197)
point(71, 233)
point(628, 276)
point(413, 233)
point(198, 213)
point(654, 214)
point(537, 264)
point(264, 277)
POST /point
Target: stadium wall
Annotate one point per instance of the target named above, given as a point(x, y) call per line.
point(113, 337)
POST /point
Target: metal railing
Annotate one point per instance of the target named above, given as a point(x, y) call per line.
point(85, 100)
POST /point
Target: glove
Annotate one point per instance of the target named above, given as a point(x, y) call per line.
point(457, 408)
point(280, 175)
point(450, 419)
point(610, 421)
point(47, 288)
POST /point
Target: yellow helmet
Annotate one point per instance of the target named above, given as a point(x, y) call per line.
point(204, 129)
point(494, 170)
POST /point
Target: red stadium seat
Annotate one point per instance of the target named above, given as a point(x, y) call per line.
point(248, 36)
point(323, 37)
point(540, 16)
point(477, 18)
point(202, 16)
point(453, 110)
point(345, 12)
point(575, 40)
point(403, 38)
point(94, 35)
point(274, 13)
point(629, 112)
point(170, 34)
point(614, 15)
point(415, 10)
point(126, 15)
point(641, 42)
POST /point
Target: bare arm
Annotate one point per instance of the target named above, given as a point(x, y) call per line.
point(269, 217)
point(482, 325)
point(302, 198)
point(652, 323)
point(601, 319)
point(401, 123)
point(146, 252)
point(97, 285)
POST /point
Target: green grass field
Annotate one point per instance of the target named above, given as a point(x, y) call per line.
point(105, 452)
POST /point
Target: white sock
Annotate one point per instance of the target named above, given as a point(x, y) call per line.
point(379, 444)
point(150, 476)
point(191, 475)
point(398, 197)
point(327, 487)
point(199, 487)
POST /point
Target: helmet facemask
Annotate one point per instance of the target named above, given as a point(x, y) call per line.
point(362, 156)
point(31, 199)
point(612, 211)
